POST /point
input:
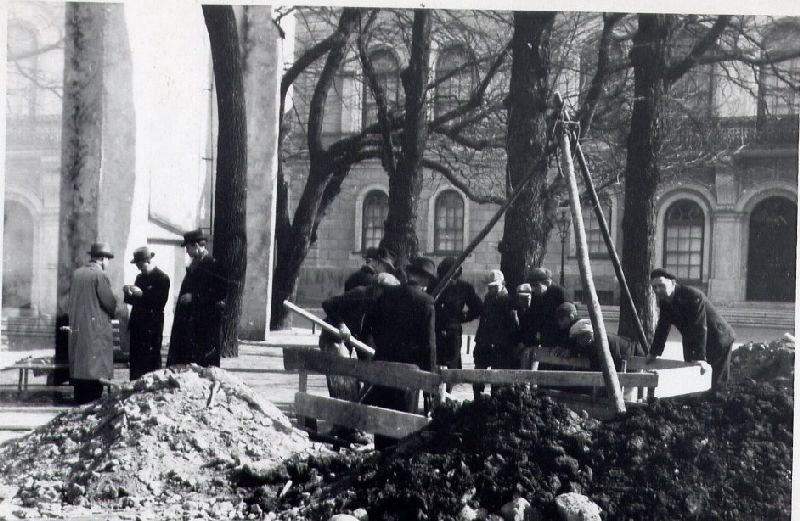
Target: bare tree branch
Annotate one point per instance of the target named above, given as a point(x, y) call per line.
point(701, 47)
point(458, 183)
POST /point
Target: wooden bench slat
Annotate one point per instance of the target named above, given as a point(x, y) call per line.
point(367, 418)
point(390, 374)
point(565, 378)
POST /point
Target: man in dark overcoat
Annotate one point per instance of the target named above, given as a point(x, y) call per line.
point(707, 337)
point(196, 330)
point(458, 303)
point(537, 316)
point(401, 325)
point(92, 305)
point(147, 296)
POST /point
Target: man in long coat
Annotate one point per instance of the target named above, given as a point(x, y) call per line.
point(401, 324)
point(707, 337)
point(537, 316)
point(148, 296)
point(196, 331)
point(91, 307)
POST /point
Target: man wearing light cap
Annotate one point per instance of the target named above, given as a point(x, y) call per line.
point(498, 330)
point(707, 337)
point(581, 344)
point(537, 321)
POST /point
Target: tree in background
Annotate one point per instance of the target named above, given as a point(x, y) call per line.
point(230, 235)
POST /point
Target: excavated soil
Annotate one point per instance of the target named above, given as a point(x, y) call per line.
point(712, 457)
point(171, 443)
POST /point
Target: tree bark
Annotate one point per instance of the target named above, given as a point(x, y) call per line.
point(405, 183)
point(649, 57)
point(528, 221)
point(230, 202)
point(293, 240)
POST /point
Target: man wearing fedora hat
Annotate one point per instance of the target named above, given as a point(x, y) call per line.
point(91, 307)
point(147, 296)
point(401, 325)
point(196, 331)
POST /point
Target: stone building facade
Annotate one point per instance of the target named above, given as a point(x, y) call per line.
point(728, 227)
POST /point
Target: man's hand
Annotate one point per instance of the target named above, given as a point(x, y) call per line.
point(651, 358)
point(186, 298)
point(344, 332)
point(703, 365)
point(136, 291)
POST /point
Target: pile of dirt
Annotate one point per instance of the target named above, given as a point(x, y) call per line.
point(720, 456)
point(764, 361)
point(173, 441)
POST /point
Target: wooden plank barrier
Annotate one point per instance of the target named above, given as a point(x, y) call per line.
point(549, 378)
point(389, 374)
point(367, 418)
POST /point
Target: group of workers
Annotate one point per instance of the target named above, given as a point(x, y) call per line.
point(195, 336)
point(395, 312)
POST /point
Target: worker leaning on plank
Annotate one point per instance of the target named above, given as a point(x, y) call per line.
point(707, 337)
point(401, 325)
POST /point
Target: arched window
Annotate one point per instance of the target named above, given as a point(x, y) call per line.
point(448, 224)
point(455, 79)
point(18, 234)
point(684, 226)
point(21, 72)
point(595, 243)
point(387, 72)
point(374, 212)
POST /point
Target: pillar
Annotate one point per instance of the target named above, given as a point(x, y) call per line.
point(726, 281)
point(262, 74)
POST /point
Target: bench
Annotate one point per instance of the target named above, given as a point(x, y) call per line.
point(48, 365)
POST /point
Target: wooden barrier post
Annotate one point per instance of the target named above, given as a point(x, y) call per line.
point(595, 312)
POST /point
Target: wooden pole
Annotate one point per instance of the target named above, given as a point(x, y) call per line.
point(612, 251)
point(595, 312)
point(360, 346)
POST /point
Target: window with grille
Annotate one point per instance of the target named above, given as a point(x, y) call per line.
point(684, 228)
point(387, 72)
point(455, 79)
point(780, 97)
point(596, 245)
point(374, 212)
point(448, 227)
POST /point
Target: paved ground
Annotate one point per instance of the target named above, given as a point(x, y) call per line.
point(274, 383)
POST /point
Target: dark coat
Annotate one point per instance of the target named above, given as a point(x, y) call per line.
point(537, 323)
point(196, 329)
point(365, 276)
point(91, 307)
point(498, 332)
point(351, 307)
point(401, 325)
point(450, 314)
point(706, 335)
point(621, 348)
point(146, 324)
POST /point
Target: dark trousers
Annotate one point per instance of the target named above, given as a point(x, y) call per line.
point(86, 391)
point(721, 368)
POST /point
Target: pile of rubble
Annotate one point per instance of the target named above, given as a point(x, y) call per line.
point(171, 442)
point(764, 361)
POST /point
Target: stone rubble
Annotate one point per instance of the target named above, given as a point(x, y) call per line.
point(156, 444)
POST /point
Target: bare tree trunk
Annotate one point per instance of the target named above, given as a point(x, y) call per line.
point(405, 184)
point(649, 59)
point(230, 233)
point(528, 221)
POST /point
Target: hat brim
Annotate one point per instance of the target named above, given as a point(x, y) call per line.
point(106, 254)
point(135, 260)
point(418, 271)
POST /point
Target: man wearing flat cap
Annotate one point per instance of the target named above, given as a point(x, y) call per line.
point(91, 307)
point(147, 296)
point(401, 325)
point(537, 313)
point(196, 330)
point(707, 337)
